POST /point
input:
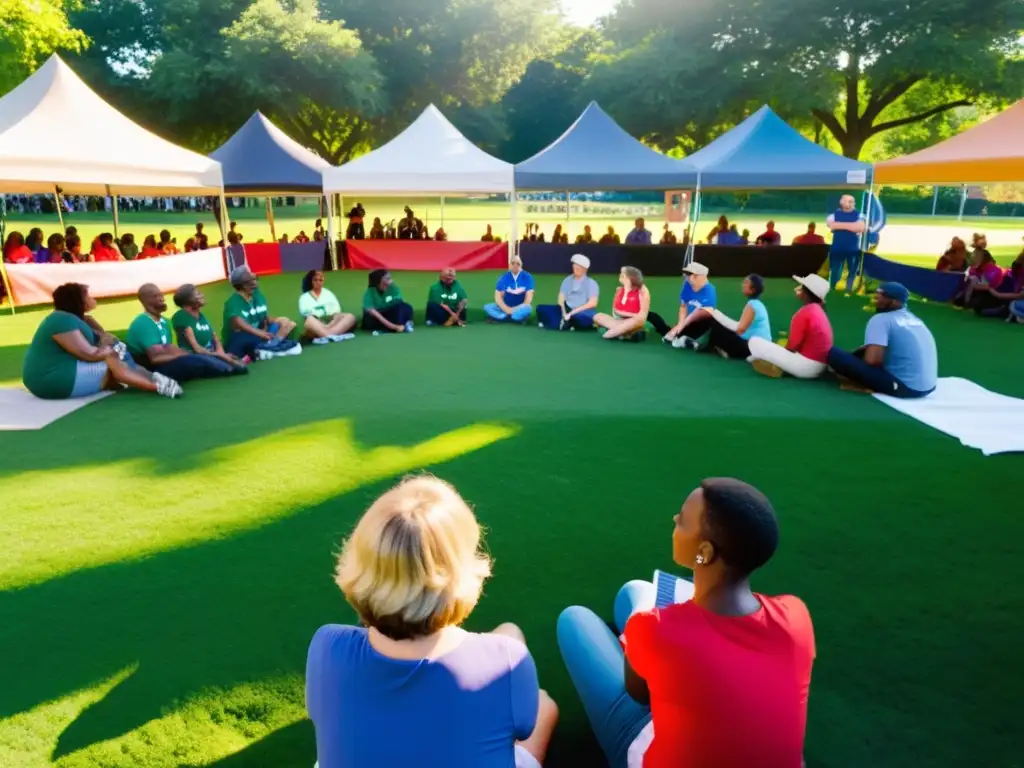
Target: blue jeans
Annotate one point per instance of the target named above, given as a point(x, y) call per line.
point(1017, 308)
point(438, 315)
point(595, 661)
point(519, 314)
point(836, 261)
point(550, 316)
point(190, 367)
point(242, 343)
point(874, 377)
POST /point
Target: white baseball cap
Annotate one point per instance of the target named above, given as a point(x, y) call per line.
point(695, 268)
point(816, 284)
point(582, 260)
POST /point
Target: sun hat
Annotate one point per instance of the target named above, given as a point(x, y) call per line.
point(695, 268)
point(895, 291)
point(241, 275)
point(816, 284)
point(580, 259)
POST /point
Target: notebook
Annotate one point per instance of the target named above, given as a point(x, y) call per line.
point(671, 589)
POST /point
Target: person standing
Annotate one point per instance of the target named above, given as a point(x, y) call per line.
point(447, 300)
point(847, 225)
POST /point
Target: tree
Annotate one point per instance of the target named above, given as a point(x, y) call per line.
point(852, 67)
point(29, 34)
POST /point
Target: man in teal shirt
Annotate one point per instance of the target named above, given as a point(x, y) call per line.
point(446, 304)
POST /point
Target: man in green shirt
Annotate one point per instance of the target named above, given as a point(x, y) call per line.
point(446, 304)
point(383, 308)
point(247, 322)
point(152, 345)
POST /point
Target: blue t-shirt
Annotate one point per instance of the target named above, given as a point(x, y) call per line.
point(842, 240)
point(465, 709)
point(515, 287)
point(730, 238)
point(910, 353)
point(760, 328)
point(705, 298)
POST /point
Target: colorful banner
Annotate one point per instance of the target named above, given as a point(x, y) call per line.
point(263, 258)
point(425, 255)
point(35, 283)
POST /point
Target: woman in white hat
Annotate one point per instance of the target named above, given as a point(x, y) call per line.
point(810, 337)
point(577, 300)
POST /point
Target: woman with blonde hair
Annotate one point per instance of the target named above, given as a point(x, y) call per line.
point(409, 686)
point(630, 307)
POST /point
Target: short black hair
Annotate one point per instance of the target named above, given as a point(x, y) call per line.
point(70, 298)
point(71, 241)
point(810, 297)
point(70, 231)
point(376, 276)
point(757, 283)
point(55, 240)
point(307, 280)
point(740, 521)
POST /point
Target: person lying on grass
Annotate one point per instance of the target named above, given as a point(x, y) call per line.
point(150, 342)
point(447, 300)
point(409, 686)
point(809, 341)
point(67, 358)
point(696, 300)
point(577, 298)
point(247, 322)
point(728, 337)
point(383, 308)
point(323, 321)
point(630, 308)
point(193, 332)
point(720, 679)
point(513, 294)
point(898, 358)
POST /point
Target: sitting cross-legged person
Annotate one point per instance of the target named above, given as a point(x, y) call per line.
point(513, 294)
point(447, 300)
point(384, 311)
point(719, 679)
point(810, 337)
point(697, 299)
point(577, 298)
point(630, 308)
point(324, 321)
point(898, 358)
point(731, 338)
point(413, 570)
point(248, 330)
point(194, 332)
point(150, 341)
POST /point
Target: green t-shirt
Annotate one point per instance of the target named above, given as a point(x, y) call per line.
point(374, 299)
point(145, 332)
point(254, 311)
point(49, 371)
point(200, 326)
point(321, 307)
point(451, 296)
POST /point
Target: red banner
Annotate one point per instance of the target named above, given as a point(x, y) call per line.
point(425, 255)
point(263, 258)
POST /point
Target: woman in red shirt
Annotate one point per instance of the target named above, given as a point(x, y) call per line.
point(712, 676)
point(810, 337)
point(629, 309)
point(149, 249)
point(15, 250)
point(103, 249)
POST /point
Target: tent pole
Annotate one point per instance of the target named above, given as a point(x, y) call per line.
point(567, 205)
point(514, 240)
point(864, 238)
point(113, 210)
point(963, 202)
point(3, 270)
point(270, 220)
point(935, 200)
point(224, 229)
point(442, 211)
point(60, 213)
point(694, 221)
point(332, 240)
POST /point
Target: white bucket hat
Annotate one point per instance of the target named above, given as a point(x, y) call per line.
point(816, 284)
point(582, 260)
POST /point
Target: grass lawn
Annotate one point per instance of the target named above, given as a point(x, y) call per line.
point(166, 563)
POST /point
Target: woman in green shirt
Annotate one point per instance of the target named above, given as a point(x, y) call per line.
point(383, 308)
point(324, 320)
point(67, 359)
point(193, 331)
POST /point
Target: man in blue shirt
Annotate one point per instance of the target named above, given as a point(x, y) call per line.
point(898, 357)
point(513, 295)
point(847, 225)
point(696, 299)
point(639, 235)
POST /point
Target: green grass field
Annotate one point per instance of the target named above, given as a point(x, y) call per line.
point(166, 562)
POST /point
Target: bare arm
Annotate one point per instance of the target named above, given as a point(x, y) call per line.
point(499, 299)
point(745, 320)
point(164, 353)
point(529, 297)
point(76, 345)
point(190, 337)
point(238, 324)
point(384, 321)
point(874, 355)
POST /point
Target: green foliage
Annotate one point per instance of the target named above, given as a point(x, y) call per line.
point(29, 33)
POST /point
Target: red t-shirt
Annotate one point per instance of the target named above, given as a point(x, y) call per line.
point(20, 255)
point(809, 239)
point(810, 333)
point(627, 303)
point(103, 253)
point(726, 691)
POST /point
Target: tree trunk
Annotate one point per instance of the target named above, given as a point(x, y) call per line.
point(853, 143)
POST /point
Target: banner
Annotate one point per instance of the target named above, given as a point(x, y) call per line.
point(263, 258)
point(302, 257)
point(424, 255)
point(929, 283)
point(35, 283)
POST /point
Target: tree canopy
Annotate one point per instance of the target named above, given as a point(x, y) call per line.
point(29, 33)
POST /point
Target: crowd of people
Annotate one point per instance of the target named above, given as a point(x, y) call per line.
point(987, 288)
point(67, 248)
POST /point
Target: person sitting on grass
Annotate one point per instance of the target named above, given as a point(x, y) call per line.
point(247, 325)
point(447, 300)
point(810, 237)
point(68, 359)
point(324, 321)
point(630, 308)
point(697, 299)
point(384, 311)
point(810, 336)
point(984, 278)
point(1010, 293)
point(898, 358)
point(513, 295)
point(955, 259)
point(719, 679)
point(15, 250)
point(193, 332)
point(729, 338)
point(413, 570)
point(577, 298)
point(150, 341)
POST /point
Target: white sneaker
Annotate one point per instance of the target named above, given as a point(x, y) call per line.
point(167, 387)
point(322, 340)
point(430, 323)
point(262, 354)
point(342, 337)
point(409, 327)
point(296, 350)
point(685, 342)
point(376, 333)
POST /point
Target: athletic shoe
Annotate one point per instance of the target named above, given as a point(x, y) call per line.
point(685, 342)
point(430, 323)
point(722, 353)
point(167, 387)
point(296, 350)
point(540, 325)
point(409, 327)
point(321, 341)
point(561, 324)
point(666, 340)
point(767, 369)
point(376, 333)
point(342, 337)
point(262, 354)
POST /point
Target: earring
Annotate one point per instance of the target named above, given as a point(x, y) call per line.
point(700, 559)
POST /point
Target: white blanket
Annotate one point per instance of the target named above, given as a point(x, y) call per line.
point(20, 409)
point(988, 421)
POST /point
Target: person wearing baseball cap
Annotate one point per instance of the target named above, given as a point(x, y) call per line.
point(577, 299)
point(898, 358)
point(247, 323)
point(697, 300)
point(810, 336)
point(731, 338)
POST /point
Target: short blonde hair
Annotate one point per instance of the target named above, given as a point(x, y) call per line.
point(413, 565)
